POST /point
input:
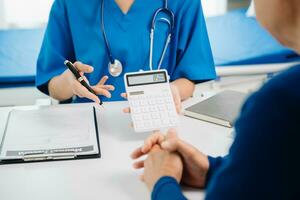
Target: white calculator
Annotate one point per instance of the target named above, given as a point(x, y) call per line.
point(150, 100)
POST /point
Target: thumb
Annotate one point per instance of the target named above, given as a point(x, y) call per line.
point(171, 141)
point(171, 134)
point(103, 80)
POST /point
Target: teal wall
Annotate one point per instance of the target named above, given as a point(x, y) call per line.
point(232, 4)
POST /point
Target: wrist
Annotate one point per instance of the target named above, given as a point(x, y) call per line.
point(184, 87)
point(170, 172)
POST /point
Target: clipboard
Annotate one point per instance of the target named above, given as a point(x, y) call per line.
point(62, 153)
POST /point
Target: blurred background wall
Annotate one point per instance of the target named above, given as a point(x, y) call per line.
point(233, 4)
point(34, 13)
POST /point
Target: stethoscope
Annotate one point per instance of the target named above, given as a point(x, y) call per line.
point(115, 67)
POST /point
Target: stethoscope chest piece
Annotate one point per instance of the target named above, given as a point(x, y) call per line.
point(115, 69)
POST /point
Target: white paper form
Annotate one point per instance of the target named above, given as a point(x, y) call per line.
point(51, 129)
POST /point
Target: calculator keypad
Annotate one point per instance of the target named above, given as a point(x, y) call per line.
point(153, 112)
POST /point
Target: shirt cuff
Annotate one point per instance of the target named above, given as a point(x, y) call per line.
point(167, 188)
point(214, 164)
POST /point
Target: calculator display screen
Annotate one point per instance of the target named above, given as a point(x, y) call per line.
point(146, 78)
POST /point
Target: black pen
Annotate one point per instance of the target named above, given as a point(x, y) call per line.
point(76, 73)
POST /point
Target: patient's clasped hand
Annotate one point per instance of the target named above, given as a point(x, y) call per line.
point(170, 156)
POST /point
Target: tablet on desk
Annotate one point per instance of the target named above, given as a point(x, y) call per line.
point(50, 133)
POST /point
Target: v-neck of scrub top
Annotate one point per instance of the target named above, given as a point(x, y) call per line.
point(123, 19)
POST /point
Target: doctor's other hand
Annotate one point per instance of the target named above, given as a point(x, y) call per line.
point(77, 89)
point(195, 163)
point(176, 99)
point(160, 163)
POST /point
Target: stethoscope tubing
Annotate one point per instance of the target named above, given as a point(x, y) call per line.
point(167, 42)
point(108, 49)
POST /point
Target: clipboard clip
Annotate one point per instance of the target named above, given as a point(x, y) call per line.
point(44, 155)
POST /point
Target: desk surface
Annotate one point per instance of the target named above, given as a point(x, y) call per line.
point(112, 176)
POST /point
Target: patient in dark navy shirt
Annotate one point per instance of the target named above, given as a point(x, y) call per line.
point(259, 164)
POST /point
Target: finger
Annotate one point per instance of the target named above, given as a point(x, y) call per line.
point(137, 153)
point(155, 148)
point(126, 110)
point(83, 92)
point(179, 108)
point(176, 98)
point(154, 139)
point(176, 145)
point(138, 165)
point(103, 80)
point(150, 143)
point(83, 67)
point(178, 105)
point(107, 87)
point(101, 91)
point(124, 95)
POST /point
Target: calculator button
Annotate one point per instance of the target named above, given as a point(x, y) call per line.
point(170, 107)
point(155, 115)
point(157, 122)
point(172, 115)
point(148, 124)
point(135, 103)
point(136, 110)
point(144, 102)
point(145, 109)
point(168, 100)
point(147, 116)
point(173, 121)
point(166, 94)
point(138, 117)
point(152, 102)
point(162, 107)
point(163, 115)
point(159, 101)
point(153, 108)
point(165, 121)
point(139, 125)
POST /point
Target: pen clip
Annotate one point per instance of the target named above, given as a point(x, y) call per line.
point(54, 155)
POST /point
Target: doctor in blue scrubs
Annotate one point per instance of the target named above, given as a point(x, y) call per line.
point(76, 31)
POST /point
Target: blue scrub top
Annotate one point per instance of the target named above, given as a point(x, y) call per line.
point(74, 33)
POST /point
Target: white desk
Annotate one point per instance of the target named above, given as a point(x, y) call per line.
point(112, 176)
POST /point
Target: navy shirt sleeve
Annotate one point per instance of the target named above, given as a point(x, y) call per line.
point(214, 164)
point(57, 46)
point(167, 188)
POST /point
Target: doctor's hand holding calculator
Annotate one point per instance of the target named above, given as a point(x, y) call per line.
point(151, 100)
